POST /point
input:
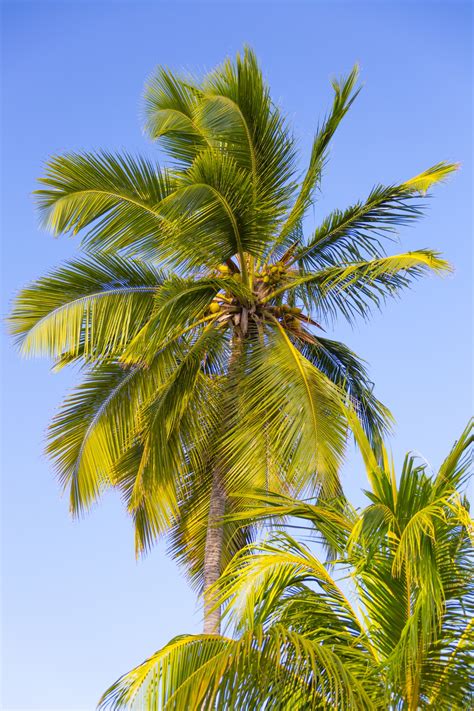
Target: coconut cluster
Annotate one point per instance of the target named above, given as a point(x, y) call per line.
point(224, 270)
point(272, 274)
point(269, 277)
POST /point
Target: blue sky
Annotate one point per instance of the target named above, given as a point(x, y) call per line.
point(77, 609)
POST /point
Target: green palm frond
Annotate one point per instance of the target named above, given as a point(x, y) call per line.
point(170, 105)
point(90, 307)
point(115, 198)
point(94, 427)
point(236, 111)
point(284, 668)
point(332, 521)
point(344, 368)
point(179, 425)
point(181, 305)
point(283, 397)
point(355, 290)
point(270, 569)
point(344, 95)
point(217, 189)
point(357, 232)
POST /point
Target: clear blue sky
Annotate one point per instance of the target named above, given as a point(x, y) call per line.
point(77, 609)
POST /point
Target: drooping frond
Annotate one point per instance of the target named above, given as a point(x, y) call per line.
point(331, 520)
point(170, 105)
point(178, 428)
point(94, 427)
point(282, 396)
point(115, 198)
point(90, 307)
point(343, 367)
point(181, 304)
point(272, 569)
point(279, 668)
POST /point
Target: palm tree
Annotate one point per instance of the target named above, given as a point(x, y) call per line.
point(407, 559)
point(197, 312)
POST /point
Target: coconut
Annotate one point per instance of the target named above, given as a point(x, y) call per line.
point(214, 308)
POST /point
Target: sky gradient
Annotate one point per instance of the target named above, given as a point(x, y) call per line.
point(77, 609)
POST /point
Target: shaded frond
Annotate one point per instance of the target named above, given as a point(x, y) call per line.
point(348, 372)
point(282, 396)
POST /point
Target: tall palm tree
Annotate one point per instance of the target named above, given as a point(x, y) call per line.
point(407, 560)
point(197, 312)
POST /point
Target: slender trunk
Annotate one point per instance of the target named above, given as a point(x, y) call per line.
point(215, 528)
point(213, 552)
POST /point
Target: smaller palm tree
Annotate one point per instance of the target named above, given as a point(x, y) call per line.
point(301, 643)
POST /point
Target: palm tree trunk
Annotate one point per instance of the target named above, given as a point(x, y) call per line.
point(213, 552)
point(215, 529)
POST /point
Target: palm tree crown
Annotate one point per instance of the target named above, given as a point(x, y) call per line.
point(401, 640)
point(198, 308)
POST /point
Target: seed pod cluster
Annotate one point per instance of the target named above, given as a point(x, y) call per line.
point(273, 274)
point(224, 271)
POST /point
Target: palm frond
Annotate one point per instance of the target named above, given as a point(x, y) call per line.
point(115, 198)
point(348, 372)
point(170, 106)
point(179, 426)
point(93, 428)
point(344, 96)
point(90, 306)
point(236, 111)
point(356, 289)
point(310, 442)
point(358, 232)
point(279, 665)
